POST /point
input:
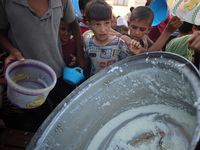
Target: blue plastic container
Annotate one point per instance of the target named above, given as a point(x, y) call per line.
point(160, 9)
point(73, 76)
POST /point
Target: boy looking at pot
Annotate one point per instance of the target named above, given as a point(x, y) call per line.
point(102, 48)
point(140, 25)
point(85, 30)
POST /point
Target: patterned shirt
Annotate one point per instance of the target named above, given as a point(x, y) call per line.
point(102, 56)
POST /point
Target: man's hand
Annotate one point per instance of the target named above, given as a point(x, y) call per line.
point(14, 55)
point(194, 41)
point(173, 25)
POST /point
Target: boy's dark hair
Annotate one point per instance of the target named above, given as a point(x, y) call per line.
point(98, 10)
point(62, 20)
point(131, 8)
point(120, 28)
point(142, 13)
point(82, 4)
point(186, 27)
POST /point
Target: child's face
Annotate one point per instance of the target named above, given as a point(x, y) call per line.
point(101, 30)
point(139, 28)
point(114, 23)
point(65, 32)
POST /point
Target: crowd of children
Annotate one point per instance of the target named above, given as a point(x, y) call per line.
point(107, 43)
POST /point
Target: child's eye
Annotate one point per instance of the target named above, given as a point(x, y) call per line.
point(106, 23)
point(142, 29)
point(133, 27)
point(96, 24)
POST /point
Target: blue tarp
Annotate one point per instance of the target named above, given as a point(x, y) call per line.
point(76, 6)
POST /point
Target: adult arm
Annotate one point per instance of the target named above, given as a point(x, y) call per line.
point(5, 44)
point(79, 43)
point(150, 42)
point(171, 27)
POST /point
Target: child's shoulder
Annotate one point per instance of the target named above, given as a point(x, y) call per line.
point(120, 40)
point(116, 38)
point(88, 42)
point(116, 42)
point(89, 39)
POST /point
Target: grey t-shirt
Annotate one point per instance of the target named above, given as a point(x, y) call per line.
point(37, 37)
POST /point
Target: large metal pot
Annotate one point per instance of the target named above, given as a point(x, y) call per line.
point(136, 82)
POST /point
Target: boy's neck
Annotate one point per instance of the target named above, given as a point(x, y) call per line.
point(99, 42)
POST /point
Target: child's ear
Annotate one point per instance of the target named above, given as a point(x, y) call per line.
point(82, 12)
point(195, 28)
point(88, 24)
